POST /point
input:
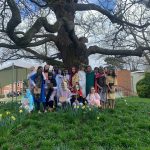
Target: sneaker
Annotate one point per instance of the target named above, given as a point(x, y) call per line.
point(39, 112)
point(45, 111)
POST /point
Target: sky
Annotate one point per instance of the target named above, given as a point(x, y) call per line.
point(107, 4)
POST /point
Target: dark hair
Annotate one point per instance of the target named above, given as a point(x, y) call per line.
point(96, 68)
point(113, 73)
point(39, 67)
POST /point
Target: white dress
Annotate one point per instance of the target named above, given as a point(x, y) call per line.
point(59, 80)
point(82, 82)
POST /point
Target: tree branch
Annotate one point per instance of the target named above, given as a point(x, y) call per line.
point(38, 4)
point(137, 52)
point(27, 38)
point(113, 18)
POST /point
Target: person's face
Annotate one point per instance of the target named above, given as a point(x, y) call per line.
point(92, 90)
point(46, 67)
point(40, 70)
point(110, 72)
point(89, 69)
point(73, 70)
point(66, 71)
point(105, 69)
point(82, 69)
point(59, 71)
point(96, 70)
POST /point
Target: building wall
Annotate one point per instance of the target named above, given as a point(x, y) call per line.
point(136, 76)
point(8, 88)
point(124, 82)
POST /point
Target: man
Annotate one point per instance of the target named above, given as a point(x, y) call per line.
point(89, 79)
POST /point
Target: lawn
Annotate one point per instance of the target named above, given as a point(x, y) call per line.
point(125, 128)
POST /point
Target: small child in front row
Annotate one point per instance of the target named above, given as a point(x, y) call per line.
point(93, 98)
point(77, 98)
point(27, 101)
point(65, 96)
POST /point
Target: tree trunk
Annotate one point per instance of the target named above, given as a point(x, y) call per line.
point(73, 51)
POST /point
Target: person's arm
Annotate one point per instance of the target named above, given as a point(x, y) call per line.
point(97, 96)
point(44, 77)
point(88, 98)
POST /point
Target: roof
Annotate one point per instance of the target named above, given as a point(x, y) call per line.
point(19, 64)
point(141, 71)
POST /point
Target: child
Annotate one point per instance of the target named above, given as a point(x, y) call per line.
point(93, 98)
point(77, 98)
point(27, 101)
point(65, 94)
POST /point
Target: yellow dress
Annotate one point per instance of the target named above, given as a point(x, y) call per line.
point(75, 79)
point(111, 82)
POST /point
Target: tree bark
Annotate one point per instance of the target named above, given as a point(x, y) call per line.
point(73, 51)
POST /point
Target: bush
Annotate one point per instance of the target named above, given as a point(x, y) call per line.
point(143, 86)
point(2, 96)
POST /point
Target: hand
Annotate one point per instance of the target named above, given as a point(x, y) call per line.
point(36, 88)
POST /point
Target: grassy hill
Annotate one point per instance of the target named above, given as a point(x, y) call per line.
point(126, 127)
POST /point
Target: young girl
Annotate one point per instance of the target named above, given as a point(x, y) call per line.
point(93, 98)
point(65, 95)
point(111, 83)
point(27, 101)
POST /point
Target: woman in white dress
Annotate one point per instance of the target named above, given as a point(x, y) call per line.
point(59, 79)
point(82, 80)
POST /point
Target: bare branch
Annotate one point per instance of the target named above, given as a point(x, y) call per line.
point(113, 18)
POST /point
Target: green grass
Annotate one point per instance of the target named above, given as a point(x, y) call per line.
point(125, 128)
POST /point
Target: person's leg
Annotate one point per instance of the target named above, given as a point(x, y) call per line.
point(72, 100)
point(113, 104)
point(44, 107)
point(109, 103)
point(51, 105)
point(38, 106)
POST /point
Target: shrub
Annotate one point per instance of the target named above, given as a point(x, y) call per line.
point(143, 86)
point(2, 96)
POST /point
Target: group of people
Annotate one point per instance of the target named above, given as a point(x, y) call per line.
point(76, 87)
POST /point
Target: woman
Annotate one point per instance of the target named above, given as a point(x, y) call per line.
point(93, 98)
point(59, 80)
point(38, 81)
point(111, 82)
point(77, 98)
point(74, 78)
point(89, 79)
point(96, 77)
point(52, 91)
point(103, 87)
point(82, 80)
point(66, 77)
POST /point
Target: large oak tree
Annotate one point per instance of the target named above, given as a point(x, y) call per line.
point(72, 49)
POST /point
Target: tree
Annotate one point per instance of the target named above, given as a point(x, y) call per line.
point(113, 61)
point(62, 34)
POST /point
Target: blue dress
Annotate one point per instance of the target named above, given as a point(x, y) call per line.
point(42, 94)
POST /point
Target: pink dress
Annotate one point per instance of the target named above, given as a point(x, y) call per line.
point(94, 99)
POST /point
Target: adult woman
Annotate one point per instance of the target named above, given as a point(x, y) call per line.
point(111, 83)
point(59, 80)
point(82, 80)
point(103, 87)
point(93, 98)
point(89, 79)
point(96, 77)
point(74, 78)
point(38, 80)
